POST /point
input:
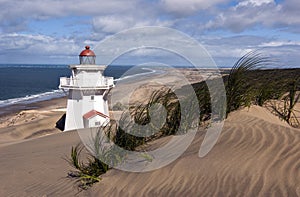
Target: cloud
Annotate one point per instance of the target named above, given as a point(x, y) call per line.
point(251, 13)
point(188, 7)
point(15, 12)
point(36, 48)
point(280, 43)
point(51, 8)
point(106, 16)
point(116, 23)
point(231, 47)
point(227, 50)
point(111, 24)
point(115, 15)
point(254, 3)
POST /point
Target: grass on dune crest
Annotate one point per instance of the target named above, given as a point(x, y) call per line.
point(286, 109)
point(239, 92)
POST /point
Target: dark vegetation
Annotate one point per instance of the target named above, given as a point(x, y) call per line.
point(246, 83)
point(85, 174)
point(257, 87)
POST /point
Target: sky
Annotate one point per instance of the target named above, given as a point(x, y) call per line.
point(56, 31)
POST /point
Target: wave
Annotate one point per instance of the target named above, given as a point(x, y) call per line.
point(33, 98)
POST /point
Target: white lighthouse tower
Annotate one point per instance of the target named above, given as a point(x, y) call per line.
point(87, 105)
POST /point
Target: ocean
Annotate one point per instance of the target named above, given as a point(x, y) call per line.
point(24, 84)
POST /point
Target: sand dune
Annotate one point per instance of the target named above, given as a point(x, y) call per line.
point(38, 120)
point(36, 167)
point(253, 157)
point(28, 124)
point(256, 155)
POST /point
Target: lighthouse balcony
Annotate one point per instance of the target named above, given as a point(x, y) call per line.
point(75, 83)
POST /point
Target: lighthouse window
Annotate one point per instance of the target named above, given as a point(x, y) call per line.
point(92, 98)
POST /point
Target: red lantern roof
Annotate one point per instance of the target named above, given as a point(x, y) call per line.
point(87, 52)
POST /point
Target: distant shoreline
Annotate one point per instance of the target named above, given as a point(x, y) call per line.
point(14, 105)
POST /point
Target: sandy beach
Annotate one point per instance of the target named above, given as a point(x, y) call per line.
point(257, 154)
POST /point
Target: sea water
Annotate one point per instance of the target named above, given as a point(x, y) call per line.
point(31, 83)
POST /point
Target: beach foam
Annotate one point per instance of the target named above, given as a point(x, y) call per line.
point(33, 98)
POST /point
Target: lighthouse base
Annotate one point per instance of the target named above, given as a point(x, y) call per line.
point(86, 109)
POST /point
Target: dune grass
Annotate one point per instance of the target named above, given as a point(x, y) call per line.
point(286, 110)
point(247, 83)
point(239, 92)
point(85, 174)
point(160, 101)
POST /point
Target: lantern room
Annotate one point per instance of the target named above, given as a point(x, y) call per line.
point(87, 56)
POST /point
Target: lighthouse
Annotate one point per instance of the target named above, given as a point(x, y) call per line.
point(87, 104)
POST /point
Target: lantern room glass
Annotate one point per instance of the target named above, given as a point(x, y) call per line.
point(87, 59)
